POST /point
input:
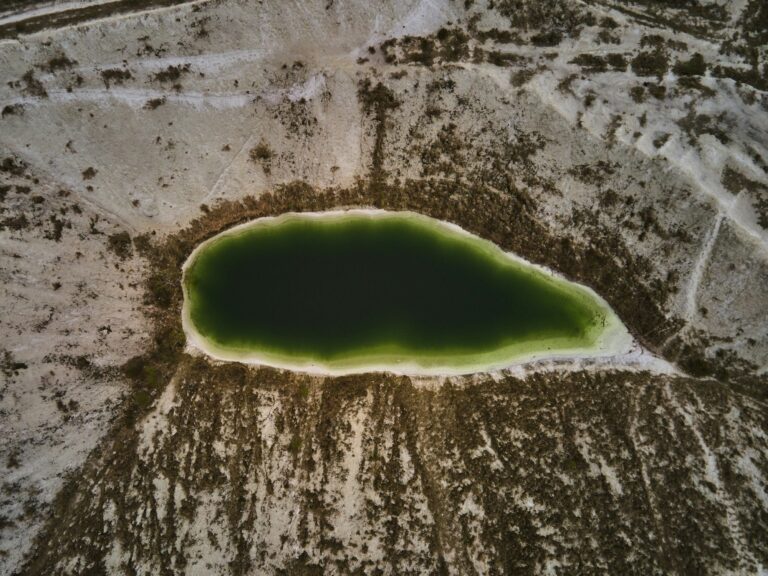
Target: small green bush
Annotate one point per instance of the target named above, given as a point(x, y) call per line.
point(142, 398)
point(295, 445)
point(693, 67)
point(115, 76)
point(590, 62)
point(617, 61)
point(120, 244)
point(547, 39)
point(650, 63)
point(263, 154)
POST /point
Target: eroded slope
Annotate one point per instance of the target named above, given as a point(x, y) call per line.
point(623, 144)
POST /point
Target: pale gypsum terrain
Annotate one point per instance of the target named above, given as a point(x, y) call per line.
point(623, 145)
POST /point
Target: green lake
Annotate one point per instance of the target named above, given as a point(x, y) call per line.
point(361, 290)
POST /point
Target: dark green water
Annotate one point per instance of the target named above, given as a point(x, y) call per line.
point(396, 288)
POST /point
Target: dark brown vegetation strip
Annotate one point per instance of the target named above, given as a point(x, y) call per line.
point(80, 15)
point(463, 440)
point(503, 218)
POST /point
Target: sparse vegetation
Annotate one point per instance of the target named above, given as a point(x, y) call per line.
point(115, 76)
point(650, 63)
point(553, 18)
point(15, 223)
point(595, 174)
point(262, 154)
point(154, 103)
point(33, 86)
point(60, 62)
point(314, 410)
point(637, 93)
point(736, 182)
point(591, 62)
point(89, 173)
point(617, 61)
point(12, 110)
point(499, 36)
point(13, 166)
point(9, 366)
point(120, 244)
point(57, 228)
point(695, 125)
point(445, 471)
point(547, 39)
point(595, 63)
point(694, 83)
point(660, 140)
point(658, 91)
point(695, 66)
point(503, 58)
point(446, 45)
point(608, 37)
point(377, 101)
point(760, 205)
point(12, 461)
point(521, 77)
point(172, 73)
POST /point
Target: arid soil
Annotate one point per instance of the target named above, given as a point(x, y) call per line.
point(623, 145)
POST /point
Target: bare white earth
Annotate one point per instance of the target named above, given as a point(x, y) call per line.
point(138, 122)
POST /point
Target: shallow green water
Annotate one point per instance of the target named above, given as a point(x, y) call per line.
point(354, 289)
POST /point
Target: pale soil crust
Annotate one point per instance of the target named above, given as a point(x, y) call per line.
point(86, 532)
point(82, 531)
point(607, 152)
point(241, 470)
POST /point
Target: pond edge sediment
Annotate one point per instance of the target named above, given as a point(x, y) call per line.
point(613, 339)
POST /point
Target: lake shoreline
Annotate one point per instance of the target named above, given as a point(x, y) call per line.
point(612, 340)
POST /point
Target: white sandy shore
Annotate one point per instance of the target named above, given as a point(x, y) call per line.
point(614, 340)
